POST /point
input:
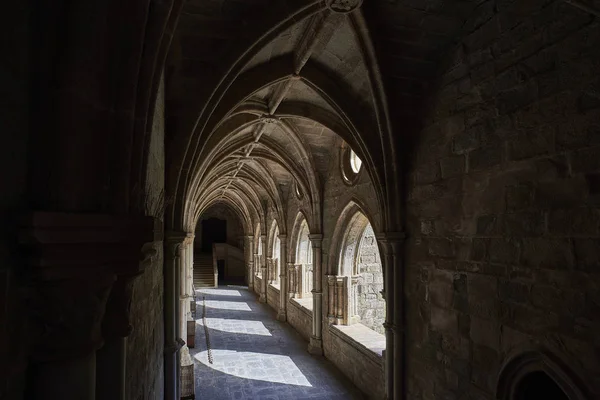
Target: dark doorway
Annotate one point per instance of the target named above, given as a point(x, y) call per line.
point(221, 271)
point(538, 385)
point(214, 230)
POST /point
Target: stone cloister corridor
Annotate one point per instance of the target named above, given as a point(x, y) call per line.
point(404, 193)
point(256, 356)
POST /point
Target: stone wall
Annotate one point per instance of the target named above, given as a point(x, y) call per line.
point(144, 379)
point(364, 368)
point(257, 284)
point(503, 219)
point(300, 319)
point(273, 297)
point(370, 302)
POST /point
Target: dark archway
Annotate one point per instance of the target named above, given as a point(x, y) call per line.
point(214, 230)
point(538, 385)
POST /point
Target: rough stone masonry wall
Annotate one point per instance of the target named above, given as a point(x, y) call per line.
point(300, 319)
point(273, 297)
point(364, 370)
point(144, 378)
point(371, 304)
point(503, 222)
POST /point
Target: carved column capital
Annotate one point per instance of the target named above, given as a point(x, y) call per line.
point(389, 241)
point(79, 268)
point(173, 242)
point(316, 239)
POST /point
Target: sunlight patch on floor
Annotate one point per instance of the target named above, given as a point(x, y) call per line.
point(220, 292)
point(225, 305)
point(257, 366)
point(236, 326)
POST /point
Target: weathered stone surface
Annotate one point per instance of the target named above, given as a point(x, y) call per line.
point(530, 192)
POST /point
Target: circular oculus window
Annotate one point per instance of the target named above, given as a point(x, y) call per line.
point(297, 190)
point(351, 165)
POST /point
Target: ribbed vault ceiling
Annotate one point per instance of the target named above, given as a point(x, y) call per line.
point(262, 92)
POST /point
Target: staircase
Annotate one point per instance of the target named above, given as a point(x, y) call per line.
point(204, 275)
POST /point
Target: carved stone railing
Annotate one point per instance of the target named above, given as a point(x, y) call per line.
point(300, 280)
point(271, 270)
point(342, 295)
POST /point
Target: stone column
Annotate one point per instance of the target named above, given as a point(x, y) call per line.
point(173, 342)
point(111, 358)
point(183, 285)
point(190, 272)
point(190, 276)
point(316, 340)
point(263, 268)
point(331, 299)
point(80, 268)
point(283, 297)
point(291, 279)
point(390, 247)
point(249, 253)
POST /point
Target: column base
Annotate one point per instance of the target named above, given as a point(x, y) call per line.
point(315, 346)
point(262, 298)
point(282, 316)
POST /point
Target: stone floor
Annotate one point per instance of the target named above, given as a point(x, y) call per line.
point(256, 356)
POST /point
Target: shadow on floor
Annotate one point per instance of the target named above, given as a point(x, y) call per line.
point(256, 356)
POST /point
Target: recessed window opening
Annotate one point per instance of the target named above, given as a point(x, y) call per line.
point(275, 267)
point(538, 385)
point(355, 162)
point(304, 256)
point(258, 260)
point(297, 190)
point(361, 263)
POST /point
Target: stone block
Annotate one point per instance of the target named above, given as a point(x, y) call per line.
point(485, 158)
point(489, 308)
point(587, 255)
point(427, 227)
point(574, 221)
point(444, 320)
point(479, 249)
point(511, 338)
point(467, 140)
point(533, 321)
point(519, 197)
point(547, 253)
point(453, 166)
point(517, 97)
point(554, 167)
point(524, 224)
point(440, 288)
point(489, 225)
point(557, 300)
point(532, 143)
point(511, 291)
point(441, 247)
point(586, 160)
point(504, 251)
point(561, 193)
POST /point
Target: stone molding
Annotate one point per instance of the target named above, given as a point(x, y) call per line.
point(80, 269)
